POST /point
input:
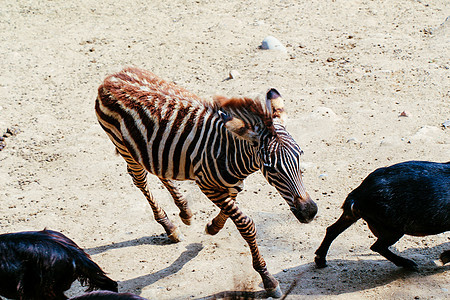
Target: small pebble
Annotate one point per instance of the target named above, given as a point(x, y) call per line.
point(234, 74)
point(323, 176)
point(446, 124)
point(405, 114)
point(271, 43)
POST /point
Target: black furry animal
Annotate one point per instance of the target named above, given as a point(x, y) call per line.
point(407, 198)
point(39, 265)
point(104, 295)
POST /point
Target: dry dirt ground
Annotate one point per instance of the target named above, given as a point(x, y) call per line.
point(350, 69)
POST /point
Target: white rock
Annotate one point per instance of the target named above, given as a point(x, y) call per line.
point(323, 176)
point(427, 133)
point(446, 124)
point(271, 43)
point(234, 74)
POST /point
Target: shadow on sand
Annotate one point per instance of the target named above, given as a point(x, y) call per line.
point(192, 250)
point(146, 240)
point(352, 276)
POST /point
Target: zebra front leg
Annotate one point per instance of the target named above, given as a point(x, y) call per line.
point(247, 229)
point(139, 176)
point(180, 201)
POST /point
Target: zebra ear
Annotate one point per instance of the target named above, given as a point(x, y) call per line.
point(276, 105)
point(239, 128)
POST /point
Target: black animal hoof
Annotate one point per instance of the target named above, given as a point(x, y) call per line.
point(321, 262)
point(409, 265)
point(445, 257)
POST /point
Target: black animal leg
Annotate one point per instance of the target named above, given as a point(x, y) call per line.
point(344, 222)
point(382, 247)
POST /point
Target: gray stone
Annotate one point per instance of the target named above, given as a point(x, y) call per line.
point(271, 43)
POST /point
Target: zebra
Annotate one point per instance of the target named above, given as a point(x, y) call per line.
point(160, 128)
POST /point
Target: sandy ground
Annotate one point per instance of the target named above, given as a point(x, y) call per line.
point(351, 68)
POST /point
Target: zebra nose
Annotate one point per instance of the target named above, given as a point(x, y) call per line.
point(305, 211)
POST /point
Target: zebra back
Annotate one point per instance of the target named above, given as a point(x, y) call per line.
point(173, 133)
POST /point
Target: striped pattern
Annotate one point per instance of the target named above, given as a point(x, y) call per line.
point(162, 129)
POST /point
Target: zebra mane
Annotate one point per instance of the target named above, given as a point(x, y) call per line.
point(250, 110)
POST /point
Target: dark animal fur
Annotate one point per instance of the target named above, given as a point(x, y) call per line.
point(407, 198)
point(43, 264)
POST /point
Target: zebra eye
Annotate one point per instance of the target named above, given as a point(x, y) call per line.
point(269, 167)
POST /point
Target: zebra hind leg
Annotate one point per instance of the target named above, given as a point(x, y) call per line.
point(139, 176)
point(180, 201)
point(216, 224)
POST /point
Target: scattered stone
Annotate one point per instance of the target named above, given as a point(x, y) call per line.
point(271, 43)
point(330, 59)
point(9, 132)
point(234, 74)
point(446, 124)
point(323, 176)
point(405, 114)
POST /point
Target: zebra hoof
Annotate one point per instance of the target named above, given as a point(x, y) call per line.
point(176, 236)
point(187, 221)
point(275, 293)
point(209, 229)
point(186, 216)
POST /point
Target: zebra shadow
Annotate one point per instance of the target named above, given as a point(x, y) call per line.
point(192, 250)
point(146, 240)
point(241, 295)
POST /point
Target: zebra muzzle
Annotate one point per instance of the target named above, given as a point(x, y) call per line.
point(305, 211)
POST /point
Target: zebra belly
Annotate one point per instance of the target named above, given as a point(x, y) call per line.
point(165, 156)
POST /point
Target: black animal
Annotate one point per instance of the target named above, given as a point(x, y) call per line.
point(105, 295)
point(39, 265)
point(407, 198)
